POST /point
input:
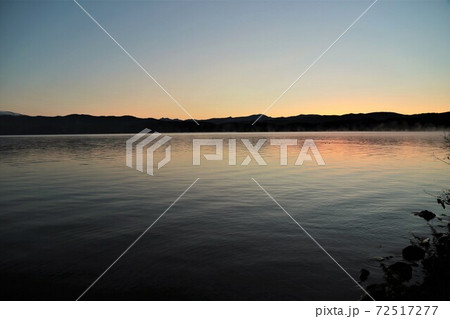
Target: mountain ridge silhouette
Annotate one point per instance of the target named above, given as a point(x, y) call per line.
point(89, 124)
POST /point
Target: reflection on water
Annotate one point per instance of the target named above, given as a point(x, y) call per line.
point(70, 206)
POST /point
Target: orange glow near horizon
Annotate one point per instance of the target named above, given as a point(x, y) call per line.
point(338, 107)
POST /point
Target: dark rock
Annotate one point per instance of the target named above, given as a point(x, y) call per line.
point(364, 274)
point(426, 214)
point(443, 245)
point(425, 242)
point(413, 253)
point(400, 271)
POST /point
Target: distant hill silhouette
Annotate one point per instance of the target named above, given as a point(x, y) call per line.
point(15, 124)
point(9, 113)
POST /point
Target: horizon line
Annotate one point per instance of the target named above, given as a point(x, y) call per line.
point(213, 118)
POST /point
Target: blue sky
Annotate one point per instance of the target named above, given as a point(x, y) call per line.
point(224, 58)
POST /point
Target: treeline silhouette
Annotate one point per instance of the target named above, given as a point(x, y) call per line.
point(87, 124)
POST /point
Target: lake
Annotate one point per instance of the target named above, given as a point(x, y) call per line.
point(70, 206)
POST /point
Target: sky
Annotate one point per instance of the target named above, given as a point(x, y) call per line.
point(224, 58)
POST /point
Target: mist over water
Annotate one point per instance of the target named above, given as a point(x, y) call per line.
point(69, 207)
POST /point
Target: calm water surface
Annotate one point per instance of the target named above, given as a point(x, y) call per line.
point(69, 207)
